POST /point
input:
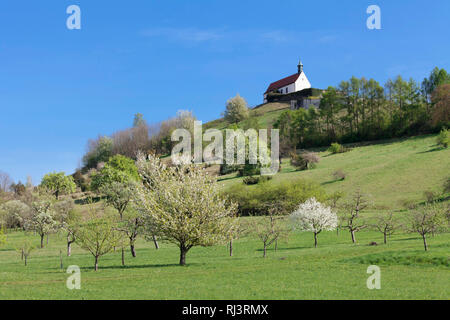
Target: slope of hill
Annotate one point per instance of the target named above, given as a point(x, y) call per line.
point(394, 172)
point(265, 114)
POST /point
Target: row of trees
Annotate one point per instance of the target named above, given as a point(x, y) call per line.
point(313, 216)
point(362, 109)
point(184, 205)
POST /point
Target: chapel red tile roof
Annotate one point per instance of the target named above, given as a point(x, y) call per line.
point(283, 82)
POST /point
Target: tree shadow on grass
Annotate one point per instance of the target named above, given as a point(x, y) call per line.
point(142, 266)
point(405, 239)
point(283, 249)
point(436, 148)
point(228, 178)
point(330, 182)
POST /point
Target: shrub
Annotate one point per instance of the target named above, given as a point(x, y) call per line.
point(336, 148)
point(249, 170)
point(250, 180)
point(305, 160)
point(311, 158)
point(443, 138)
point(339, 175)
point(257, 199)
point(298, 162)
point(226, 169)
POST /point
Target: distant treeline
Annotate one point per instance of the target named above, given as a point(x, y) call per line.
point(361, 109)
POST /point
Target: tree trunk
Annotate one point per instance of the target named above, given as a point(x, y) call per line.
point(385, 238)
point(353, 236)
point(155, 242)
point(264, 255)
point(22, 254)
point(26, 260)
point(42, 241)
point(425, 242)
point(69, 248)
point(276, 245)
point(133, 251)
point(96, 264)
point(231, 248)
point(183, 252)
point(123, 256)
point(315, 240)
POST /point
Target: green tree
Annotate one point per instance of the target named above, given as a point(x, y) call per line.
point(118, 169)
point(98, 235)
point(58, 183)
point(329, 107)
point(138, 120)
point(99, 150)
point(25, 249)
point(437, 77)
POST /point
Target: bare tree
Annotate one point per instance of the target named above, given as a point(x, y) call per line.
point(387, 224)
point(311, 158)
point(67, 218)
point(425, 220)
point(131, 224)
point(270, 228)
point(5, 182)
point(350, 218)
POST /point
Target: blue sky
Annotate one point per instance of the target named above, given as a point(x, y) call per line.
point(60, 87)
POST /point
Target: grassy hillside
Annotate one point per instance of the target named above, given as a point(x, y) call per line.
point(393, 172)
point(266, 115)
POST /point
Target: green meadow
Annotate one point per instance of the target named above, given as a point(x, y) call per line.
point(335, 270)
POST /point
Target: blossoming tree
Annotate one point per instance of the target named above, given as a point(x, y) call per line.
point(315, 217)
point(183, 205)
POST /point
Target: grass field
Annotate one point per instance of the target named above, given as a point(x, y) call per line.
point(334, 270)
point(392, 172)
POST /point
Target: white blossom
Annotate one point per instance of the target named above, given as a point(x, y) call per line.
point(314, 217)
